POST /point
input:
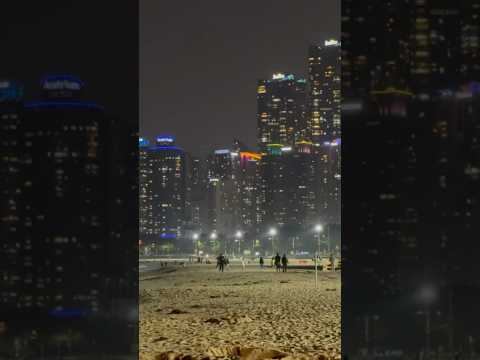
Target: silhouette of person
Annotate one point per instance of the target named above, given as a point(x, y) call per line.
point(277, 262)
point(220, 262)
point(284, 262)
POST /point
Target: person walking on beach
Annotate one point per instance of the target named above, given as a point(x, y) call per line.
point(243, 263)
point(261, 262)
point(332, 261)
point(284, 262)
point(220, 262)
point(277, 262)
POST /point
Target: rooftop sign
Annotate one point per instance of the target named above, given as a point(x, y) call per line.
point(332, 42)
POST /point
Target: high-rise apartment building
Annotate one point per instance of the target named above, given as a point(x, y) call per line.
point(324, 126)
point(328, 181)
point(410, 130)
point(247, 180)
point(222, 197)
point(324, 100)
point(11, 224)
point(195, 192)
point(281, 111)
point(56, 260)
point(286, 198)
point(167, 171)
point(145, 205)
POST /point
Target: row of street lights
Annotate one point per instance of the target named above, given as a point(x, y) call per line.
point(214, 236)
point(272, 232)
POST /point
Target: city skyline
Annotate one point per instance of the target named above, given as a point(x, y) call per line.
point(290, 181)
point(175, 98)
point(307, 95)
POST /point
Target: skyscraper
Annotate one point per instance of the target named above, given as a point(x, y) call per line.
point(11, 224)
point(195, 192)
point(324, 73)
point(167, 171)
point(57, 267)
point(221, 198)
point(324, 126)
point(286, 197)
point(409, 112)
point(145, 191)
point(328, 181)
point(247, 180)
point(281, 111)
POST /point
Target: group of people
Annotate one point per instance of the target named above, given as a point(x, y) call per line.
point(280, 263)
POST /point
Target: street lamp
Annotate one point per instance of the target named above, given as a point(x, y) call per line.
point(369, 334)
point(238, 236)
point(427, 296)
point(318, 229)
point(213, 237)
point(272, 232)
point(195, 237)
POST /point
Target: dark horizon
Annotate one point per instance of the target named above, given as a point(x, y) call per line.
point(198, 86)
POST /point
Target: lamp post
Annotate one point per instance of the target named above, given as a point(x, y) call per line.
point(195, 237)
point(427, 296)
point(369, 334)
point(238, 236)
point(213, 237)
point(318, 229)
point(272, 232)
point(329, 242)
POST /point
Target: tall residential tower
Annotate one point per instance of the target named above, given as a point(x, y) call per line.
point(281, 111)
point(324, 69)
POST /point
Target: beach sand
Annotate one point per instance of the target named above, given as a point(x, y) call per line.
point(198, 312)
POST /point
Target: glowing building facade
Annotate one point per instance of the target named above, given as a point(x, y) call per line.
point(409, 70)
point(324, 100)
point(281, 111)
point(163, 192)
point(11, 224)
point(56, 262)
point(286, 198)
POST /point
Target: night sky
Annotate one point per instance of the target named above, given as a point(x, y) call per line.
point(91, 39)
point(200, 60)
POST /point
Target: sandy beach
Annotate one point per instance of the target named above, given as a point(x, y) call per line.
point(197, 312)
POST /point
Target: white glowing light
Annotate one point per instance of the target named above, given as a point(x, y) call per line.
point(331, 42)
point(353, 106)
point(222, 151)
point(61, 84)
